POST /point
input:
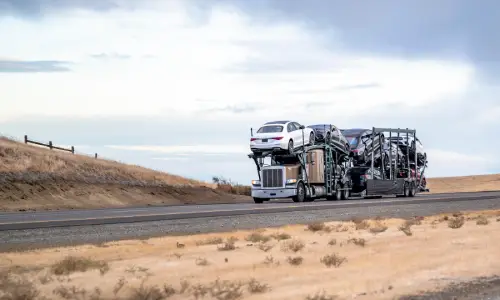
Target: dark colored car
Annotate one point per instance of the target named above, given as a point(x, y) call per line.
point(360, 142)
point(328, 132)
point(359, 176)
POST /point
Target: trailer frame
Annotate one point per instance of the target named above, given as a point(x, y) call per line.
point(398, 179)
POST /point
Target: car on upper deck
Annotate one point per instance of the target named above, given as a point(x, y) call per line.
point(281, 135)
point(331, 134)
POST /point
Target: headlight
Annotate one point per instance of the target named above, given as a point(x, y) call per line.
point(291, 181)
point(255, 182)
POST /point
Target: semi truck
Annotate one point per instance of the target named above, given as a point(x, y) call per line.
point(321, 171)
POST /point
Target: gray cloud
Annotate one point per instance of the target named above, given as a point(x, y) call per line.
point(34, 66)
point(108, 56)
point(38, 8)
point(452, 29)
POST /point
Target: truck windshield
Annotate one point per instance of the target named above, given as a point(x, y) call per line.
point(270, 128)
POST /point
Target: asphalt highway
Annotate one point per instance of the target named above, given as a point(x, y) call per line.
point(33, 220)
point(23, 231)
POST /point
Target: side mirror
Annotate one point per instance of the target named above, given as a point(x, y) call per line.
point(302, 127)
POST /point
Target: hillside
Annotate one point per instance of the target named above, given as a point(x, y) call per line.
point(475, 183)
point(35, 178)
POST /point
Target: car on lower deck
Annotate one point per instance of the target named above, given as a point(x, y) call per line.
point(281, 135)
point(359, 176)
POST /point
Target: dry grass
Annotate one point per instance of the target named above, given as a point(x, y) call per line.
point(482, 220)
point(315, 227)
point(210, 241)
point(73, 264)
point(281, 236)
point(294, 245)
point(255, 287)
point(257, 237)
point(378, 227)
point(456, 222)
point(333, 260)
point(152, 271)
point(295, 260)
point(321, 296)
point(357, 241)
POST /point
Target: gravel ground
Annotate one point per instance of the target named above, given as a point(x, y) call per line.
point(485, 288)
point(16, 240)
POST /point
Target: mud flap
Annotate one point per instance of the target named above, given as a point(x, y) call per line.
point(384, 187)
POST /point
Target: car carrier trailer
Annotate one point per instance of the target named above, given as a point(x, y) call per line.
point(401, 176)
point(310, 172)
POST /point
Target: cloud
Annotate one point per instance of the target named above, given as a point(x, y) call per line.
point(107, 56)
point(186, 149)
point(217, 68)
point(36, 66)
point(197, 67)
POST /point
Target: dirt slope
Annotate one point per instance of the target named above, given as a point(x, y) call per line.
point(34, 178)
point(476, 183)
point(371, 260)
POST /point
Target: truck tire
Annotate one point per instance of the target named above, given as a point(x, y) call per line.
point(258, 200)
point(301, 193)
point(345, 193)
point(406, 190)
point(337, 195)
point(412, 190)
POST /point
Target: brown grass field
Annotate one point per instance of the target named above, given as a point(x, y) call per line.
point(357, 259)
point(35, 178)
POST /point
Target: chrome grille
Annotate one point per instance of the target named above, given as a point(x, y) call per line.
point(272, 178)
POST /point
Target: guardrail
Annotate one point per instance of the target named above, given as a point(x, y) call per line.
point(51, 146)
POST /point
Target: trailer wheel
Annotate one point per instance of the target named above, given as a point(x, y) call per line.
point(337, 195)
point(345, 193)
point(301, 193)
point(406, 190)
point(412, 190)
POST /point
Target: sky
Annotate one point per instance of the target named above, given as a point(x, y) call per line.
point(176, 85)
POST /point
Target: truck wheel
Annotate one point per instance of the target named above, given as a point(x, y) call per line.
point(301, 193)
point(258, 200)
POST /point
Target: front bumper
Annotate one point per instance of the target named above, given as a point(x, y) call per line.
point(274, 193)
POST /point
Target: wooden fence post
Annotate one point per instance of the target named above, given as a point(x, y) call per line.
point(25, 139)
point(96, 155)
point(50, 145)
point(72, 149)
